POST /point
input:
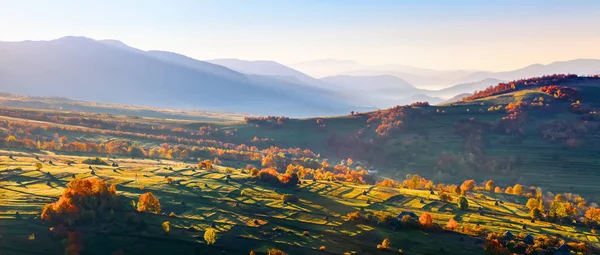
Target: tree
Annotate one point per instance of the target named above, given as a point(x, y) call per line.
point(210, 236)
point(518, 189)
point(38, 166)
point(467, 185)
point(593, 215)
point(536, 213)
point(463, 203)
point(532, 203)
point(452, 224)
point(497, 190)
point(148, 203)
point(490, 185)
point(426, 220)
point(494, 247)
point(166, 227)
point(386, 244)
point(445, 197)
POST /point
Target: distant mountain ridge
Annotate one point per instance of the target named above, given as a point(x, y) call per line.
point(112, 72)
point(266, 68)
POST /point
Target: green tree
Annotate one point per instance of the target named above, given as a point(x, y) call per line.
point(532, 203)
point(463, 203)
point(536, 213)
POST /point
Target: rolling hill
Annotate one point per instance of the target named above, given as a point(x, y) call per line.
point(109, 71)
point(577, 66)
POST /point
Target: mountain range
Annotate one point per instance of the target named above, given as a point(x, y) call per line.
point(110, 71)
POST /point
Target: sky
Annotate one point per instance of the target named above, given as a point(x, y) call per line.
point(494, 35)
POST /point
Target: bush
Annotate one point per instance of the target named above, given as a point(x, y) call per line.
point(322, 248)
point(94, 161)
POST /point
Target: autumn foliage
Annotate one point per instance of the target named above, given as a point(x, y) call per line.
point(148, 203)
point(82, 199)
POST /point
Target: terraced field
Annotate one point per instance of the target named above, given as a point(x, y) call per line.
point(248, 215)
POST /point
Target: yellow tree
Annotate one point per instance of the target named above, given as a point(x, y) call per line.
point(518, 189)
point(490, 185)
point(38, 166)
point(468, 185)
point(148, 203)
point(426, 220)
point(593, 214)
point(210, 236)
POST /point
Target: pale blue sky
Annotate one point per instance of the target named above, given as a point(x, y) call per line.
point(445, 34)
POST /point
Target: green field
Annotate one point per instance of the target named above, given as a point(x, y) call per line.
point(203, 197)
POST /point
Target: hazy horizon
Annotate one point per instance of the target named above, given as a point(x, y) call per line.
point(491, 35)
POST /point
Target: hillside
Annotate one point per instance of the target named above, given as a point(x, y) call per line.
point(325, 185)
point(247, 214)
point(111, 72)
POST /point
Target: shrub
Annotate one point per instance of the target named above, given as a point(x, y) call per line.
point(38, 166)
point(210, 236)
point(148, 203)
point(254, 172)
point(289, 198)
point(322, 248)
point(305, 233)
point(94, 161)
